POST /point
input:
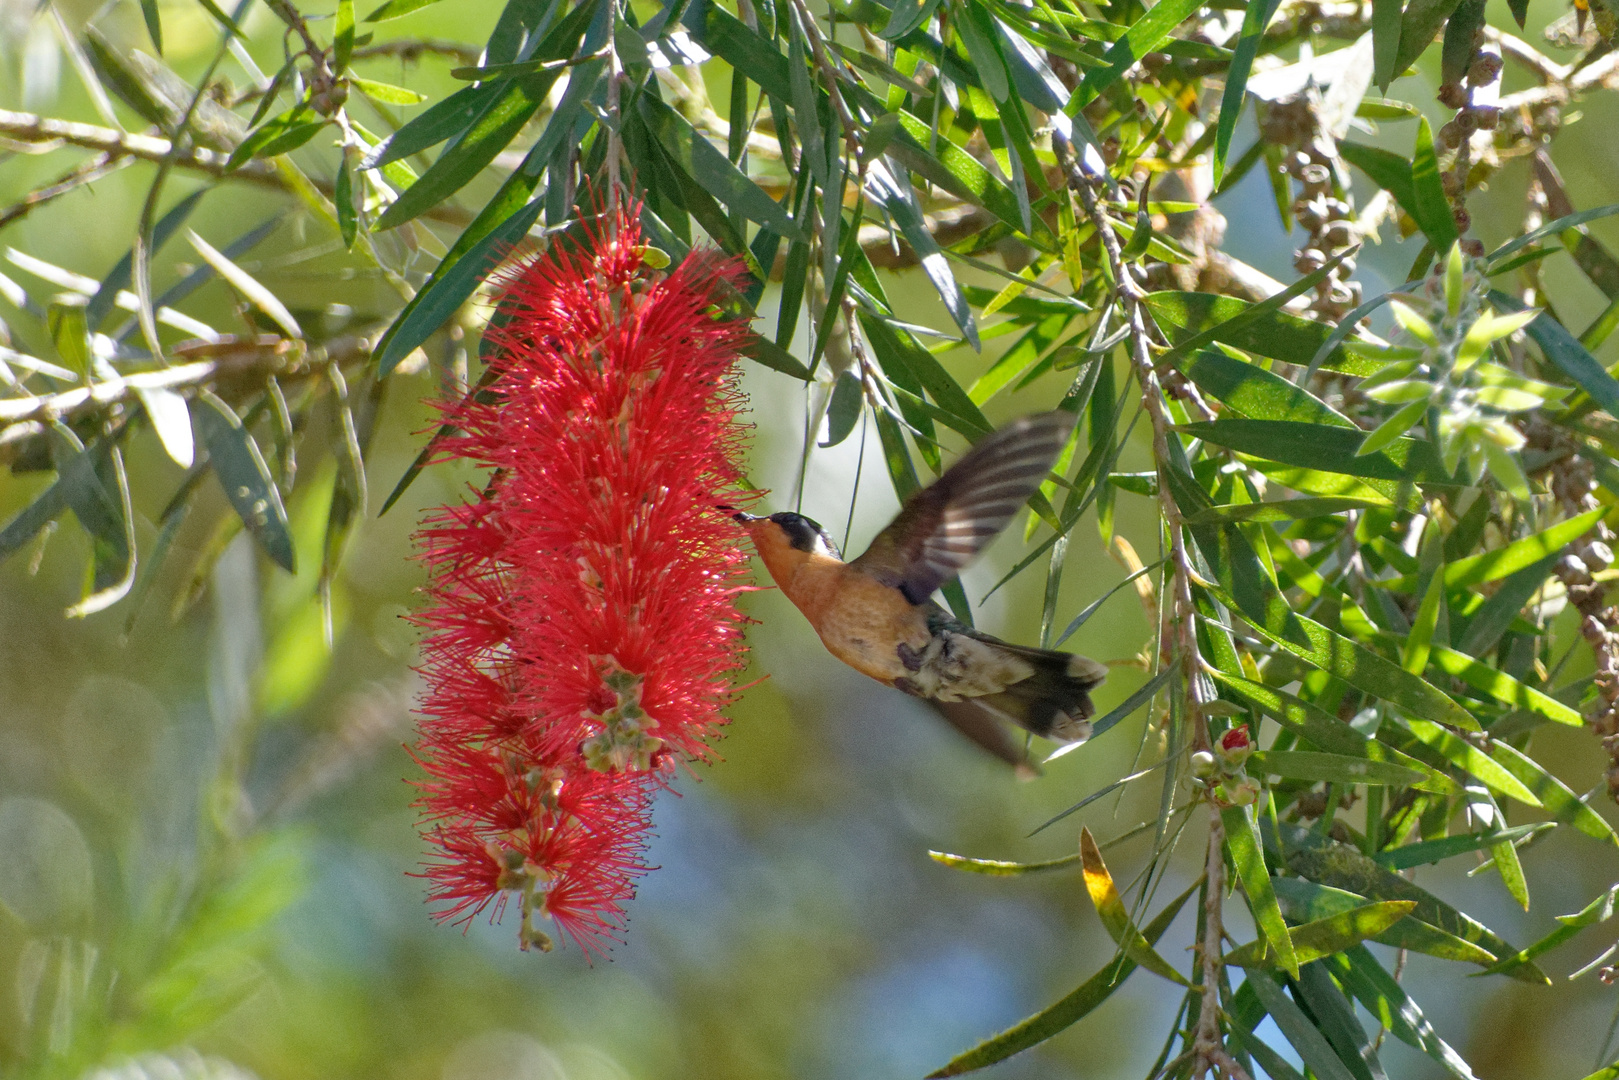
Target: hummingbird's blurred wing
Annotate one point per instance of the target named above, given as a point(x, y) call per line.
point(942, 527)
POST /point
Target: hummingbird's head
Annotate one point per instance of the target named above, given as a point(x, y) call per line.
point(786, 540)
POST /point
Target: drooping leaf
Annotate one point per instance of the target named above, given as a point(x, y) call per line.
point(1110, 906)
point(246, 480)
point(1065, 1013)
point(1248, 858)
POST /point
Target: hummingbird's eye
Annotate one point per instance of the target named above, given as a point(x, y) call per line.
point(804, 534)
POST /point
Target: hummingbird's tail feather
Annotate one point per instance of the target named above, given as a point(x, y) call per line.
point(1055, 701)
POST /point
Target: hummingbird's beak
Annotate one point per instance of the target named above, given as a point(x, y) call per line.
point(739, 515)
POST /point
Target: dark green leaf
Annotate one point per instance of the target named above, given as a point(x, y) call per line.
point(1283, 510)
point(1433, 851)
point(343, 199)
point(1336, 768)
point(1147, 35)
point(907, 16)
point(343, 37)
point(245, 478)
point(1429, 206)
point(893, 192)
point(1335, 1018)
point(1324, 937)
point(1277, 334)
point(1304, 901)
point(154, 24)
point(1421, 22)
point(1062, 1015)
point(439, 121)
point(1254, 21)
point(1325, 449)
point(710, 168)
point(1327, 731)
point(1248, 858)
point(1385, 42)
point(1300, 1030)
point(1456, 55)
point(517, 101)
point(278, 135)
point(1256, 393)
point(1329, 863)
point(1361, 975)
point(394, 9)
point(848, 395)
point(1497, 258)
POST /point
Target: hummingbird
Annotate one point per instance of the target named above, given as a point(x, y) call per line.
point(876, 612)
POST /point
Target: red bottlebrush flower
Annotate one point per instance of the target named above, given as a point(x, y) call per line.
point(582, 630)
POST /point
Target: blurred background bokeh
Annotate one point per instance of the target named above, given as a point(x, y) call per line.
point(206, 838)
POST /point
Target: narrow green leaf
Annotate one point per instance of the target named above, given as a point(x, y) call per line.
point(1324, 937)
point(1328, 732)
point(343, 36)
point(1361, 975)
point(395, 9)
point(1304, 901)
point(996, 868)
point(1558, 799)
point(1281, 510)
point(1259, 394)
point(439, 121)
point(1336, 768)
point(1385, 42)
point(154, 24)
point(1495, 259)
point(1063, 1014)
point(1564, 350)
point(244, 283)
point(974, 25)
point(1300, 1030)
point(387, 93)
point(1421, 22)
point(1503, 687)
point(1419, 642)
point(1247, 856)
point(1146, 35)
point(343, 199)
point(907, 16)
point(1430, 207)
point(1255, 316)
point(1354, 663)
point(1343, 867)
point(714, 171)
point(1434, 851)
point(517, 101)
point(1110, 907)
point(1597, 911)
point(280, 134)
point(246, 480)
point(1335, 1018)
point(1471, 760)
point(894, 193)
point(1254, 21)
point(1324, 449)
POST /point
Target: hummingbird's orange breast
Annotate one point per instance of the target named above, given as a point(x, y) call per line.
point(861, 621)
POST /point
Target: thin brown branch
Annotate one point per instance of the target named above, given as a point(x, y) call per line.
point(1180, 612)
point(86, 172)
point(32, 128)
point(233, 367)
point(412, 49)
